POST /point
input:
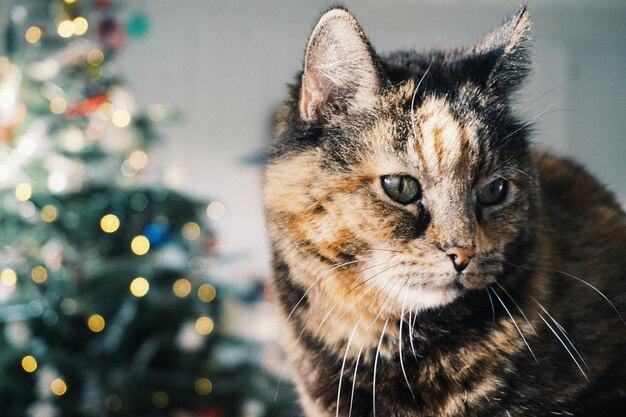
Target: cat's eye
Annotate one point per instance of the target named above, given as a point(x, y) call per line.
point(401, 188)
point(493, 193)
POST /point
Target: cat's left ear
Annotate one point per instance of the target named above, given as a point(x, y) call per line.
point(508, 47)
point(340, 74)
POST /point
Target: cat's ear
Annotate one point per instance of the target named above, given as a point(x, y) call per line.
point(508, 48)
point(339, 69)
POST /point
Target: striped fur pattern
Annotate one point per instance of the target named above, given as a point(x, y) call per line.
point(378, 319)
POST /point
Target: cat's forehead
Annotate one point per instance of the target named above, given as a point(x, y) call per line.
point(427, 136)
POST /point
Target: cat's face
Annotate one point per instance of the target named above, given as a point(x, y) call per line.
point(394, 188)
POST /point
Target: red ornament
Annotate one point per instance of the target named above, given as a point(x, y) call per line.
point(86, 107)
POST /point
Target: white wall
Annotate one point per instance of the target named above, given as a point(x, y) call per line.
point(225, 64)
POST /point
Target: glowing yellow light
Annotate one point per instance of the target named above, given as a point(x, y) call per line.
point(139, 287)
point(109, 223)
point(70, 1)
point(33, 34)
point(58, 105)
point(160, 399)
point(138, 160)
point(216, 210)
point(96, 323)
point(39, 274)
point(49, 213)
point(58, 387)
point(23, 192)
point(29, 364)
point(8, 277)
point(66, 28)
point(203, 386)
point(121, 118)
point(80, 26)
point(191, 231)
point(182, 287)
point(206, 293)
point(95, 57)
point(140, 245)
point(204, 325)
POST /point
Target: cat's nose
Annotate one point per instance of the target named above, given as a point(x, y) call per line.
point(460, 255)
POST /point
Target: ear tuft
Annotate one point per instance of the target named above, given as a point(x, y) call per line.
point(339, 71)
point(509, 45)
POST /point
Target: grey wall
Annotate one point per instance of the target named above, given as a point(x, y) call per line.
point(225, 64)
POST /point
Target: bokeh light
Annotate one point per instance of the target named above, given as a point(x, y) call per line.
point(181, 288)
point(216, 210)
point(96, 323)
point(207, 293)
point(204, 325)
point(39, 274)
point(32, 34)
point(203, 386)
point(49, 213)
point(23, 192)
point(139, 287)
point(58, 387)
point(109, 223)
point(8, 277)
point(191, 231)
point(140, 245)
point(160, 399)
point(29, 364)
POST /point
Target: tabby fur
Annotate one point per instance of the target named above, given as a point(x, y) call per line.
point(377, 319)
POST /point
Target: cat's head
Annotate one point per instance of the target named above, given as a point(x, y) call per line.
point(404, 181)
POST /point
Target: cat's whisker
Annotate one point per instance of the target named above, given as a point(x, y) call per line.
point(322, 275)
point(518, 307)
point(541, 113)
point(493, 310)
point(514, 322)
point(565, 346)
point(544, 94)
point(595, 289)
point(343, 365)
point(413, 101)
point(382, 334)
point(406, 378)
point(530, 177)
point(412, 331)
point(356, 368)
point(381, 249)
point(580, 280)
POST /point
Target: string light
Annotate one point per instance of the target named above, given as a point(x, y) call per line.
point(96, 323)
point(58, 105)
point(66, 28)
point(23, 192)
point(39, 274)
point(109, 223)
point(191, 231)
point(204, 325)
point(160, 399)
point(48, 213)
point(139, 287)
point(33, 34)
point(57, 181)
point(138, 160)
point(80, 26)
point(140, 245)
point(203, 386)
point(206, 293)
point(216, 210)
point(181, 288)
point(121, 118)
point(8, 277)
point(58, 387)
point(29, 364)
point(95, 57)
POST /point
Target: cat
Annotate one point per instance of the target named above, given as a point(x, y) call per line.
point(427, 259)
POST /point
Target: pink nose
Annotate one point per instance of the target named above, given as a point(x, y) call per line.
point(461, 256)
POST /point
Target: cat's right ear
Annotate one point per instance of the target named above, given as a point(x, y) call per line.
point(339, 74)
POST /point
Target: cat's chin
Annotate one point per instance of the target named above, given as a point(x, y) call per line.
point(430, 296)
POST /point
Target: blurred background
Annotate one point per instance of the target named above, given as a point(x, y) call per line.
point(134, 263)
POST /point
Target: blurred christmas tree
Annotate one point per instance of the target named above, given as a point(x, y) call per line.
point(107, 307)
